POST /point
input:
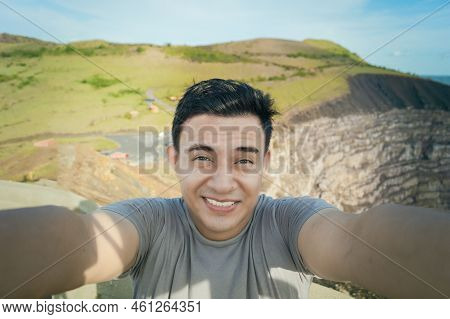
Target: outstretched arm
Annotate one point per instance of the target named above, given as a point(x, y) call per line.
point(50, 249)
point(394, 250)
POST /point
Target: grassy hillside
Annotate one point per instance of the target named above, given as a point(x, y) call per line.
point(49, 88)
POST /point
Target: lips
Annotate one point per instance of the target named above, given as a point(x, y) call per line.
point(221, 205)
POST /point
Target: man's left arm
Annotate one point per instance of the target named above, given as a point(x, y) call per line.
point(394, 250)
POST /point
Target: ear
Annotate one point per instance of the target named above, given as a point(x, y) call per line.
point(172, 155)
point(267, 160)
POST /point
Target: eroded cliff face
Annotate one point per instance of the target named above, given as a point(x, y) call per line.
point(104, 180)
point(357, 157)
point(371, 93)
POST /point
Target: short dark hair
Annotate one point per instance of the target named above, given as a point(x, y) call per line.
point(224, 98)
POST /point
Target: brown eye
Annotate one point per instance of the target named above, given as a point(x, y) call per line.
point(201, 158)
point(245, 161)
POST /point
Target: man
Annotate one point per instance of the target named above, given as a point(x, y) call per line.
point(222, 239)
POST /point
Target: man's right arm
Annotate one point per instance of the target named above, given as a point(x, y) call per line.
point(50, 249)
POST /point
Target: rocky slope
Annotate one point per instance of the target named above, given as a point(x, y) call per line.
point(388, 140)
point(99, 178)
point(375, 93)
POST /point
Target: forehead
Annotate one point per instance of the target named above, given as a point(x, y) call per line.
point(217, 130)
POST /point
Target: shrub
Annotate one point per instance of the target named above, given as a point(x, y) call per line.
point(302, 72)
point(23, 52)
point(197, 54)
point(94, 50)
point(27, 81)
point(98, 82)
point(125, 92)
point(342, 55)
point(6, 77)
point(128, 116)
point(281, 77)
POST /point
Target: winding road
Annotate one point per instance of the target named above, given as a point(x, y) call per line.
point(152, 98)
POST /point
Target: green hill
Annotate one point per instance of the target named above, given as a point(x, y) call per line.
point(88, 88)
point(48, 87)
point(12, 38)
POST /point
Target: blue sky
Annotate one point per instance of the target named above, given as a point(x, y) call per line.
point(359, 25)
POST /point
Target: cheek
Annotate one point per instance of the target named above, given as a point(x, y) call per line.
point(251, 183)
point(190, 183)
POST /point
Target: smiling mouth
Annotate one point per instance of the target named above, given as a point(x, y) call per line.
point(220, 205)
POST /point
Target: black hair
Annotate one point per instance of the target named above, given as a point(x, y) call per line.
point(224, 98)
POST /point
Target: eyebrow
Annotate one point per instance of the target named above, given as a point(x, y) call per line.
point(249, 149)
point(206, 148)
point(200, 147)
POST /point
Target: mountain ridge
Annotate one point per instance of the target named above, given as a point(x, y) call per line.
point(82, 97)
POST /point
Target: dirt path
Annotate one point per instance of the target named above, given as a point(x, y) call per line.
point(152, 98)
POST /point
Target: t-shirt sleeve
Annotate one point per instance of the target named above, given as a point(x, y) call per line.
point(146, 215)
point(290, 215)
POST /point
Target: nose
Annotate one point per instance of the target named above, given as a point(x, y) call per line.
point(222, 180)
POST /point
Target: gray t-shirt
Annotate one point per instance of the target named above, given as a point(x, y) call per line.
point(176, 261)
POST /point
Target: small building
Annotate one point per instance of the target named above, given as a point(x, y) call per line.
point(45, 143)
point(153, 108)
point(119, 155)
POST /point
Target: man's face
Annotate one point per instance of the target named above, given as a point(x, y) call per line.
point(220, 164)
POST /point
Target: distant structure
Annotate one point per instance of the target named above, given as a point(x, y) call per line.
point(150, 105)
point(119, 155)
point(45, 143)
point(134, 114)
point(153, 108)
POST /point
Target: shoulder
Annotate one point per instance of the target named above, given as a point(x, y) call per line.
point(289, 213)
point(298, 204)
point(151, 216)
point(153, 204)
point(146, 209)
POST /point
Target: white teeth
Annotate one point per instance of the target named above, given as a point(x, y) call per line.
point(221, 204)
